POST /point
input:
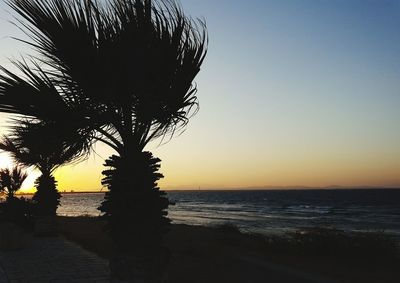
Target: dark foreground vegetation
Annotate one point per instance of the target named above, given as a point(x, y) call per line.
point(224, 254)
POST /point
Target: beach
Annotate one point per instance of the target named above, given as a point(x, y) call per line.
point(224, 254)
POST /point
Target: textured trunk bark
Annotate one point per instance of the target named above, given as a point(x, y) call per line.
point(136, 214)
point(47, 196)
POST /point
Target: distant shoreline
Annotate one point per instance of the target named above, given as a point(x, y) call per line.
point(283, 189)
point(242, 190)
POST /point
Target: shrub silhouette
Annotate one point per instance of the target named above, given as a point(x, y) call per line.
point(18, 211)
point(11, 180)
point(14, 210)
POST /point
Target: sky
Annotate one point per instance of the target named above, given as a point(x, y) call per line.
point(292, 93)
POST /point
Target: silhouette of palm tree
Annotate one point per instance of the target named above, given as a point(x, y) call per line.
point(14, 210)
point(124, 73)
point(45, 146)
point(11, 181)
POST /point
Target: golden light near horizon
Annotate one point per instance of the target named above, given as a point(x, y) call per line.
point(298, 110)
point(185, 165)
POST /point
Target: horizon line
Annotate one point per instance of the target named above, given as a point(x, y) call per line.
point(277, 188)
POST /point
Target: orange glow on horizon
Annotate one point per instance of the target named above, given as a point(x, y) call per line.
point(87, 176)
point(186, 165)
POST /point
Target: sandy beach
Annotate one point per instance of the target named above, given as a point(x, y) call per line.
point(223, 254)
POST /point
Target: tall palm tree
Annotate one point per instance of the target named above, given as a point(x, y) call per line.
point(11, 181)
point(45, 146)
point(125, 71)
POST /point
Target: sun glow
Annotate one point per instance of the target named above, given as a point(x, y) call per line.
point(5, 160)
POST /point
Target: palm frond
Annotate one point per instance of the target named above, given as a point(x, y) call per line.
point(46, 145)
point(158, 51)
point(19, 155)
point(56, 26)
point(32, 94)
point(132, 62)
point(12, 180)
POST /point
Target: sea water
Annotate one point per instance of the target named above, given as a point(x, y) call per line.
point(271, 211)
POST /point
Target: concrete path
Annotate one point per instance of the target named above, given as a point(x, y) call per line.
point(48, 260)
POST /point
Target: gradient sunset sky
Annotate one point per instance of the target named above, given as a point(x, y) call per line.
point(292, 93)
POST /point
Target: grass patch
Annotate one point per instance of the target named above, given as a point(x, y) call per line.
point(330, 242)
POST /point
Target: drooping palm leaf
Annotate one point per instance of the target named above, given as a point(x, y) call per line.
point(134, 64)
point(46, 145)
point(36, 94)
point(32, 94)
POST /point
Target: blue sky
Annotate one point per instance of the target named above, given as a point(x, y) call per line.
point(291, 93)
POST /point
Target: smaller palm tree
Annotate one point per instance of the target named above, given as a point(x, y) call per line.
point(45, 146)
point(11, 181)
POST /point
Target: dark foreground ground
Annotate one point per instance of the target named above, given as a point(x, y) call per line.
point(204, 254)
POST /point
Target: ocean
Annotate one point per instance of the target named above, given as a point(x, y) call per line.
point(272, 211)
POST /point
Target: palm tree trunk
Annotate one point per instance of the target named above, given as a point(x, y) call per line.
point(136, 214)
point(47, 199)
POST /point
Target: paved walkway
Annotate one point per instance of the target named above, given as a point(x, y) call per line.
point(56, 260)
point(52, 260)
